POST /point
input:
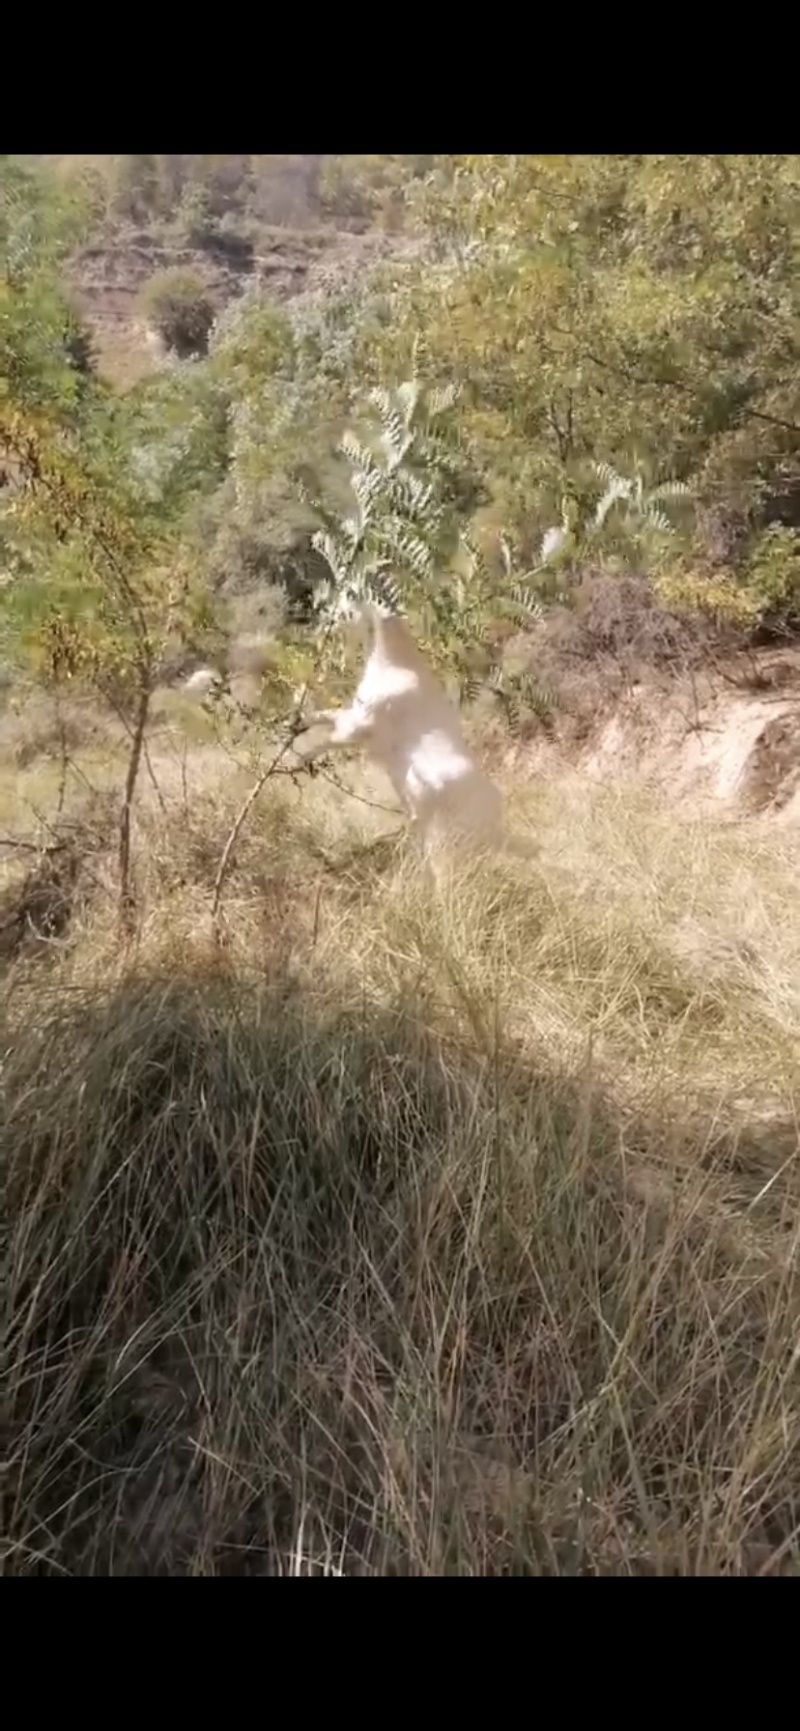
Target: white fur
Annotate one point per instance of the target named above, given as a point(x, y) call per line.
point(410, 728)
point(199, 684)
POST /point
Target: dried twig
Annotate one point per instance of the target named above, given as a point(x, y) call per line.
point(235, 830)
point(33, 846)
point(329, 775)
point(259, 784)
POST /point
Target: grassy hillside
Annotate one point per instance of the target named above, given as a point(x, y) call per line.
point(407, 1237)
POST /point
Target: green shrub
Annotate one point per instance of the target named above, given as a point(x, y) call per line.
point(79, 345)
point(177, 304)
point(134, 187)
point(772, 573)
point(196, 213)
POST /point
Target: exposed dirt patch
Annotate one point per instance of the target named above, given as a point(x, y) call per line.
point(723, 737)
point(772, 773)
point(728, 736)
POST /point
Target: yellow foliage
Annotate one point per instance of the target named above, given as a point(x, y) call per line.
point(716, 593)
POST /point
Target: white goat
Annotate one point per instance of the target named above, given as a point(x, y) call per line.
point(201, 683)
point(412, 731)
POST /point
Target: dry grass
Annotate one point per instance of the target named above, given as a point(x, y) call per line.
point(410, 1236)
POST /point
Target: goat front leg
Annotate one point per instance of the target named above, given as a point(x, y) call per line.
point(346, 727)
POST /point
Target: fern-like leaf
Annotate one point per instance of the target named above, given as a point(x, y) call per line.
point(526, 605)
point(671, 490)
point(469, 689)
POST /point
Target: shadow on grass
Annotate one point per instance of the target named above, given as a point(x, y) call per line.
point(298, 1287)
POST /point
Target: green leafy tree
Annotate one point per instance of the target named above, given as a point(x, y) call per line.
point(93, 496)
point(44, 351)
point(402, 544)
point(110, 589)
point(601, 308)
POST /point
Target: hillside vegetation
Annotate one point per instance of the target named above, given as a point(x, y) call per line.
point(353, 1229)
point(276, 222)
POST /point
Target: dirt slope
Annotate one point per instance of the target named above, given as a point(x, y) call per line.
point(726, 741)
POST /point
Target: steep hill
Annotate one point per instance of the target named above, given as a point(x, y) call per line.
point(109, 275)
